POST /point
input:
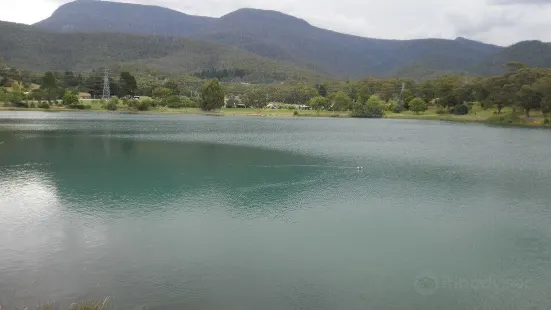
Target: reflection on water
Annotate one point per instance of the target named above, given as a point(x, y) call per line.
point(209, 213)
point(102, 172)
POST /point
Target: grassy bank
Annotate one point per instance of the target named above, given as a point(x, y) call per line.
point(87, 305)
point(477, 115)
point(223, 112)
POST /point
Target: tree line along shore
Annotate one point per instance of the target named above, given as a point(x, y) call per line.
point(522, 96)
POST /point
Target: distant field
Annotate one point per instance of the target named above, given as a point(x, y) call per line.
point(477, 115)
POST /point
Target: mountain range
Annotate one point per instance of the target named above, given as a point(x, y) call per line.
point(267, 39)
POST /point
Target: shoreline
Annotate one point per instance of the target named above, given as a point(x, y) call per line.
point(534, 122)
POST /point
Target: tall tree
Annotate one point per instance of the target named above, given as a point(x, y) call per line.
point(161, 92)
point(70, 98)
point(322, 89)
point(363, 93)
point(341, 101)
point(4, 97)
point(418, 105)
point(127, 84)
point(93, 84)
point(319, 103)
point(48, 81)
point(255, 97)
point(69, 80)
point(49, 84)
point(543, 87)
point(173, 86)
point(212, 96)
point(529, 99)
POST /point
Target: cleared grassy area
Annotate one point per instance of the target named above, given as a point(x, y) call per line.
point(246, 112)
point(477, 114)
point(283, 112)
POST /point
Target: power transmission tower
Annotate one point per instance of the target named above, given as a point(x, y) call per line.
point(106, 90)
point(401, 98)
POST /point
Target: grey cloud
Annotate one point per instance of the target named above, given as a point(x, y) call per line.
point(468, 25)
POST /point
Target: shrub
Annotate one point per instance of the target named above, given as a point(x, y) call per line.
point(19, 104)
point(173, 102)
point(32, 105)
point(295, 113)
point(126, 101)
point(70, 98)
point(511, 118)
point(153, 102)
point(398, 108)
point(129, 102)
point(375, 101)
point(461, 110)
point(188, 103)
point(441, 110)
point(390, 105)
point(79, 106)
point(341, 101)
point(43, 105)
point(419, 105)
point(143, 105)
point(111, 106)
point(546, 121)
point(319, 103)
point(367, 110)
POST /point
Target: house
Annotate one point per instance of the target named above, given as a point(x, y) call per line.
point(84, 96)
point(304, 107)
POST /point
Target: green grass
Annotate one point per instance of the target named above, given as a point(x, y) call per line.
point(477, 114)
point(282, 112)
point(245, 112)
point(88, 305)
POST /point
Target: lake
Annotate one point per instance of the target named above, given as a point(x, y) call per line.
point(199, 212)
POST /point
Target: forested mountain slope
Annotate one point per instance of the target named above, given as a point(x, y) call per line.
point(38, 50)
point(278, 36)
point(532, 53)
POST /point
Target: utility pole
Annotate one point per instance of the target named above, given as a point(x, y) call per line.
point(106, 90)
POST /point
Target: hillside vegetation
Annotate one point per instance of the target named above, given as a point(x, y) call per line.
point(38, 50)
point(532, 53)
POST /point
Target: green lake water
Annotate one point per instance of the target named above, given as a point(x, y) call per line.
point(196, 212)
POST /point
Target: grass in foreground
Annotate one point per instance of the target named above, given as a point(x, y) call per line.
point(91, 305)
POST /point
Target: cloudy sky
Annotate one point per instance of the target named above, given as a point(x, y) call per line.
point(495, 21)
